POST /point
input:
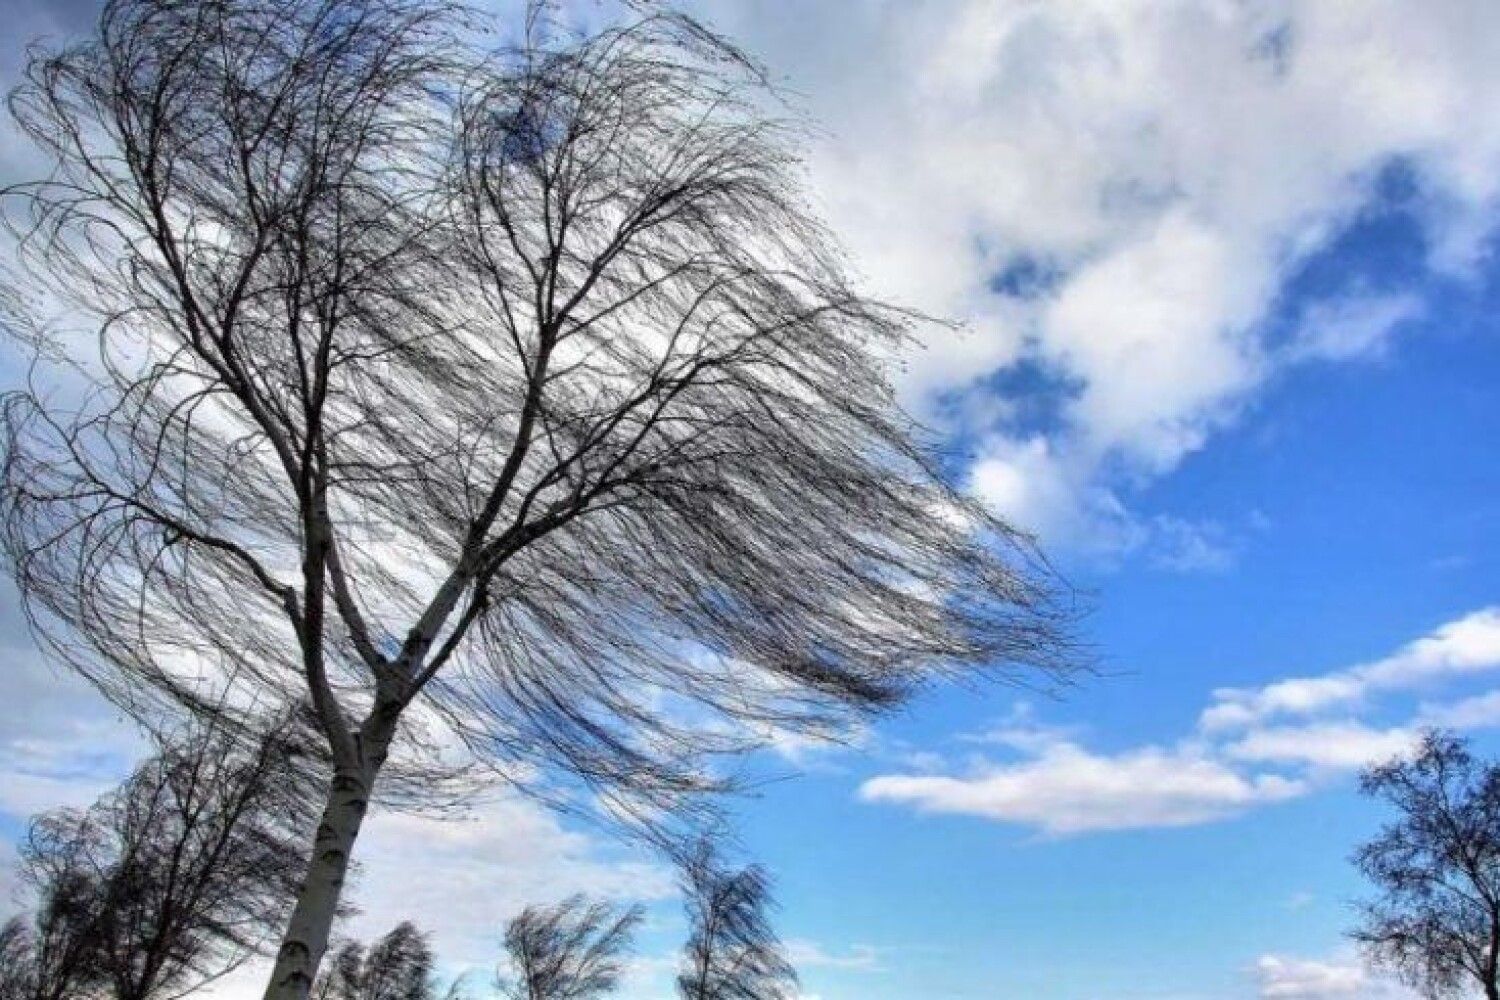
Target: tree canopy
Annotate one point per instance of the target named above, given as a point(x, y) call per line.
point(571, 950)
point(1436, 921)
point(513, 395)
point(167, 882)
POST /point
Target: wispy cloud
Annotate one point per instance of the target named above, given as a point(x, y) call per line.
point(1352, 327)
point(60, 744)
point(804, 954)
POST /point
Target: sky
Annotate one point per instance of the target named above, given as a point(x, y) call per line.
point(1227, 280)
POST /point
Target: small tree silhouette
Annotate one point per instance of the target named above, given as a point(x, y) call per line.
point(1436, 922)
point(568, 951)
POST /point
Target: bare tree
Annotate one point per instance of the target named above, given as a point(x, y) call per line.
point(568, 951)
point(168, 882)
point(1437, 920)
point(51, 957)
point(202, 858)
point(513, 393)
point(732, 952)
point(396, 967)
point(18, 967)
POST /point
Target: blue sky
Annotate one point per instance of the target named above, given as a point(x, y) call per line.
point(1230, 288)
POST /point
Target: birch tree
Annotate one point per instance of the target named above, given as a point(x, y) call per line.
point(572, 950)
point(166, 883)
point(510, 394)
point(398, 966)
point(732, 951)
point(49, 956)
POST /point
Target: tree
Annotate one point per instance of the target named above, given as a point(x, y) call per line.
point(18, 965)
point(568, 951)
point(52, 957)
point(166, 883)
point(732, 952)
point(1437, 920)
point(514, 393)
point(396, 967)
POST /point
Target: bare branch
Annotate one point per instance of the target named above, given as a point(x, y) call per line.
point(513, 396)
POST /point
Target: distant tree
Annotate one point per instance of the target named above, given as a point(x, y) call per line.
point(1436, 922)
point(521, 387)
point(732, 952)
point(52, 956)
point(18, 966)
point(568, 951)
point(396, 967)
point(166, 883)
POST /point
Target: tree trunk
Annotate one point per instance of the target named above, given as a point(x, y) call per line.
point(306, 937)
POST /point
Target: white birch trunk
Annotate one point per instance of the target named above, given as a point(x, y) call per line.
point(307, 933)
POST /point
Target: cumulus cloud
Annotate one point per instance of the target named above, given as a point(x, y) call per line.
point(1066, 789)
point(461, 879)
point(1343, 745)
point(1468, 645)
point(1123, 192)
point(1251, 748)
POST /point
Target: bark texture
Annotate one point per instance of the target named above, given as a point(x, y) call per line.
point(311, 923)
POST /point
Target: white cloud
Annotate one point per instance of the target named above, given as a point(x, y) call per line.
point(804, 954)
point(1159, 170)
point(461, 879)
point(1147, 325)
point(1027, 479)
point(1067, 789)
point(1190, 547)
point(1342, 745)
point(818, 750)
point(1468, 645)
point(1041, 484)
point(1304, 979)
point(36, 776)
point(1352, 327)
point(60, 743)
point(1281, 977)
point(1240, 756)
point(1478, 712)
